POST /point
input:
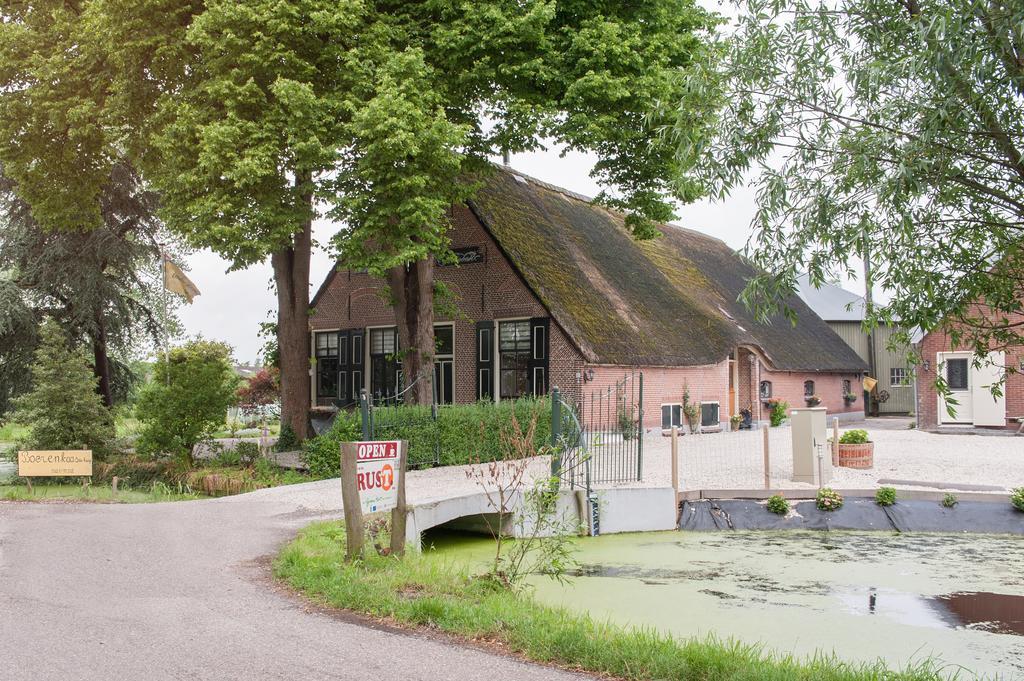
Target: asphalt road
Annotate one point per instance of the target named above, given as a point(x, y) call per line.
point(183, 591)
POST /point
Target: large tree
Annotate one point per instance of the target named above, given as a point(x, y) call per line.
point(249, 118)
point(885, 129)
point(98, 284)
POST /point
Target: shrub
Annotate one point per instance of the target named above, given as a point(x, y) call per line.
point(1017, 498)
point(777, 504)
point(854, 437)
point(885, 496)
point(63, 409)
point(828, 499)
point(287, 441)
point(248, 453)
point(322, 454)
point(778, 412)
point(185, 402)
point(950, 500)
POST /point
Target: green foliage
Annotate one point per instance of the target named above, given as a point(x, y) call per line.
point(429, 591)
point(885, 496)
point(778, 504)
point(854, 437)
point(248, 453)
point(63, 410)
point(882, 127)
point(187, 399)
point(779, 412)
point(1017, 498)
point(828, 499)
point(287, 440)
point(949, 500)
point(322, 454)
point(19, 331)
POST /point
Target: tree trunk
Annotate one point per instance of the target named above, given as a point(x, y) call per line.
point(101, 364)
point(291, 277)
point(412, 288)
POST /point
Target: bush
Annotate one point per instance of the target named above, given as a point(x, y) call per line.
point(322, 454)
point(248, 453)
point(187, 399)
point(1017, 498)
point(777, 504)
point(63, 409)
point(885, 496)
point(854, 437)
point(287, 441)
point(778, 412)
point(828, 499)
point(950, 500)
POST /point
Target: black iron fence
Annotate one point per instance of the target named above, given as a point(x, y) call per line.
point(600, 439)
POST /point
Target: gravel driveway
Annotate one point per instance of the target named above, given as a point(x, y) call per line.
point(181, 591)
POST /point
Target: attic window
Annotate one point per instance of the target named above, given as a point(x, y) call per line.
point(520, 179)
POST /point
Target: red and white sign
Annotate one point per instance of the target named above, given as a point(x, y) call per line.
point(378, 469)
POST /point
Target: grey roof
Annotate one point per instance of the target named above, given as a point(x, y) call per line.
point(831, 302)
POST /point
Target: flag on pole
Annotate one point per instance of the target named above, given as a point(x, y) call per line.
point(175, 281)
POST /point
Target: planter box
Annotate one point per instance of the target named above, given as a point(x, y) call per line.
point(857, 456)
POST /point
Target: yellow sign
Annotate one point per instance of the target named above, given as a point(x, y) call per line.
point(40, 464)
point(869, 383)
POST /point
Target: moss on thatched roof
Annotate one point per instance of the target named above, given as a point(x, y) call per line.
point(671, 301)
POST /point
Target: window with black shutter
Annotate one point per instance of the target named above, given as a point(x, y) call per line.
point(485, 360)
point(538, 363)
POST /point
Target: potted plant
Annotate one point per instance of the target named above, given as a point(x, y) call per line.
point(856, 450)
point(849, 398)
point(734, 422)
point(776, 411)
point(691, 410)
point(812, 400)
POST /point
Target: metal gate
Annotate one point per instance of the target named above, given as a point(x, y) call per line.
point(600, 438)
point(387, 417)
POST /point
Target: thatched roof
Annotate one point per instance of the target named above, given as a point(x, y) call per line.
point(670, 301)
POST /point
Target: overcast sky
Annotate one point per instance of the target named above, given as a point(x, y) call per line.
point(233, 304)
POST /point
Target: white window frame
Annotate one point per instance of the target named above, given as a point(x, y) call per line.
point(313, 378)
point(450, 357)
point(905, 383)
point(496, 352)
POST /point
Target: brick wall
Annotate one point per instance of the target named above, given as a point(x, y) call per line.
point(927, 396)
point(789, 386)
point(486, 290)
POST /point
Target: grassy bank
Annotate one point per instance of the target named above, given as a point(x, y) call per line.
point(425, 590)
point(98, 494)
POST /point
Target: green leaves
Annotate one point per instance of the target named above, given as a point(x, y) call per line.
point(867, 128)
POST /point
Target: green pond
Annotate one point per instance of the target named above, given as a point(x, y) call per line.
point(958, 599)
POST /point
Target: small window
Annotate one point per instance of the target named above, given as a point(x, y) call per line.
point(847, 386)
point(538, 342)
point(382, 341)
point(808, 388)
point(898, 377)
point(765, 390)
point(444, 341)
point(956, 374)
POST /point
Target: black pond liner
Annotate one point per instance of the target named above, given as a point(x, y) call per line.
point(979, 517)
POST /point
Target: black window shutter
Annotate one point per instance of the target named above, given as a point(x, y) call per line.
point(539, 351)
point(485, 360)
point(344, 368)
point(355, 361)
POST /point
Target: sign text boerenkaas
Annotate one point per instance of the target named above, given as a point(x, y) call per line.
point(377, 471)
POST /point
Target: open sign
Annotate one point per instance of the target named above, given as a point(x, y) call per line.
point(377, 471)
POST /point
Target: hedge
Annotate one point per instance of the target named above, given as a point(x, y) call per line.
point(463, 432)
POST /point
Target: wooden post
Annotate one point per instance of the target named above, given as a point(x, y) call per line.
point(675, 459)
point(767, 462)
point(113, 487)
point(28, 481)
point(350, 502)
point(398, 513)
point(835, 441)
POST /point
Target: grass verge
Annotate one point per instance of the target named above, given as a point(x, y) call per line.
point(97, 494)
point(427, 591)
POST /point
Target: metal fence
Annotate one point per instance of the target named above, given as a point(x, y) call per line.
point(387, 417)
point(601, 437)
point(745, 459)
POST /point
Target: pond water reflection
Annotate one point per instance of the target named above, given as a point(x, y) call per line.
point(863, 596)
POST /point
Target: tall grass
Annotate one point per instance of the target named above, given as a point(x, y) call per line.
point(426, 591)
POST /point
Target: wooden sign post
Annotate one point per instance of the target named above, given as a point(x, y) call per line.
point(73, 463)
point(373, 481)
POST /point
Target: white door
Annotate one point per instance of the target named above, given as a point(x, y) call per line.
point(988, 410)
point(956, 369)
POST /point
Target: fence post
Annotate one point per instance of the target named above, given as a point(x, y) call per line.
point(835, 441)
point(640, 433)
point(767, 462)
point(556, 431)
point(675, 460)
point(364, 412)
